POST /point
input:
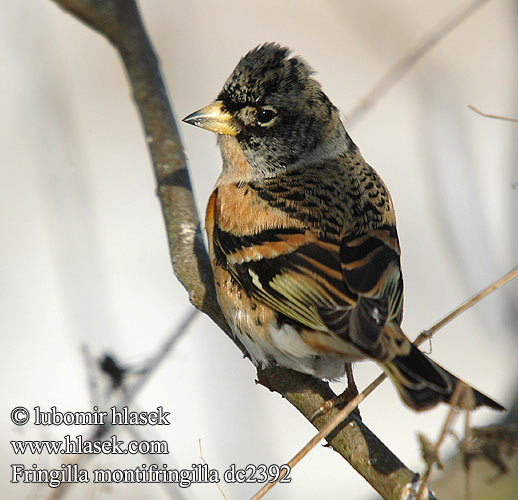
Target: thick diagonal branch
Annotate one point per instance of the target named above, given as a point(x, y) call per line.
point(120, 22)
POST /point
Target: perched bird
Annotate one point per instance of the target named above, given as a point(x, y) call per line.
point(302, 234)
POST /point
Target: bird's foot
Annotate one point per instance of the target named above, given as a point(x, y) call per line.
point(339, 401)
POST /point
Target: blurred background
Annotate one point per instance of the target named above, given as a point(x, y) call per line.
point(84, 258)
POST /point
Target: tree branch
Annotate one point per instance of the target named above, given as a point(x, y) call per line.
point(120, 22)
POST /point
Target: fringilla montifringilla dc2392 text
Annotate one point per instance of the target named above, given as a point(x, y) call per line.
point(302, 234)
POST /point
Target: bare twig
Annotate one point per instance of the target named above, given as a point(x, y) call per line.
point(496, 117)
point(457, 394)
point(403, 65)
point(205, 462)
point(131, 393)
point(506, 278)
point(467, 465)
point(172, 490)
point(179, 331)
point(494, 447)
point(93, 386)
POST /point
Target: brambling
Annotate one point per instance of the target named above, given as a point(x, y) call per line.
point(302, 234)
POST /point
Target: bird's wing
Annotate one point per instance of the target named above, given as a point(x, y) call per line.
point(325, 284)
point(289, 269)
point(370, 264)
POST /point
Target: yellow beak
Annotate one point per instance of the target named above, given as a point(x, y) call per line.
point(215, 118)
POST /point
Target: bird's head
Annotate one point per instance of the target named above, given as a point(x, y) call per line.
point(275, 109)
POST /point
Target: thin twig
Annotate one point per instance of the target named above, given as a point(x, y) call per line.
point(496, 117)
point(172, 490)
point(178, 332)
point(506, 278)
point(93, 386)
point(205, 462)
point(131, 393)
point(350, 407)
point(403, 65)
point(467, 463)
point(457, 393)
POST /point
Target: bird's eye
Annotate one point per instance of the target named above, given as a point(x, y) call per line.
point(266, 115)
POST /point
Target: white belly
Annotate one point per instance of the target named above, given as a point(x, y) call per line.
point(285, 347)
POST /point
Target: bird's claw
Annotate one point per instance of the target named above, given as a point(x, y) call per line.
point(338, 401)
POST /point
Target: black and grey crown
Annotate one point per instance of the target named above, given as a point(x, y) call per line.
point(267, 71)
point(282, 110)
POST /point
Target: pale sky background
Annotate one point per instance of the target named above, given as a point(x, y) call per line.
point(84, 258)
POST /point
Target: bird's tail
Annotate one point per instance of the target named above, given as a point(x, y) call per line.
point(422, 383)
